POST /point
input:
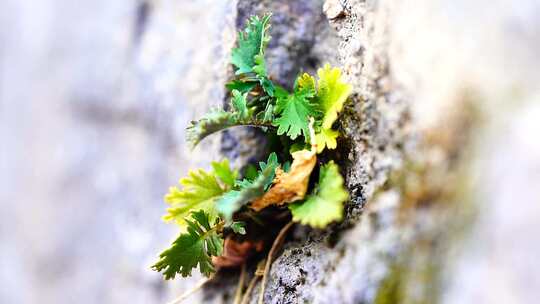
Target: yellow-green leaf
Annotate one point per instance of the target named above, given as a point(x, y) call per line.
point(326, 138)
point(306, 82)
point(199, 191)
point(224, 172)
point(331, 95)
point(326, 204)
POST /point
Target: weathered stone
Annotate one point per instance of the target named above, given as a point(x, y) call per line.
point(333, 9)
point(401, 245)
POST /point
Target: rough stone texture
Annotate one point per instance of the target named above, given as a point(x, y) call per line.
point(373, 128)
point(438, 146)
point(423, 112)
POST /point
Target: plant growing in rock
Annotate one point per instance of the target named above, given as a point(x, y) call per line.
point(212, 208)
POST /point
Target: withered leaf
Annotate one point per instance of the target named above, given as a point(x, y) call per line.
point(235, 253)
point(289, 186)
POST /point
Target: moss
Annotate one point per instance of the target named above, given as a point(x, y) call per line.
point(390, 289)
point(414, 280)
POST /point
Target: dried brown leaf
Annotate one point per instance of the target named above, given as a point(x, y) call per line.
point(289, 186)
point(235, 253)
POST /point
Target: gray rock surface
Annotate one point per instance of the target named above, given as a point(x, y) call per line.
point(416, 138)
point(95, 97)
point(438, 146)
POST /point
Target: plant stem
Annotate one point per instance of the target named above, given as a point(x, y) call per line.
point(245, 298)
point(275, 246)
point(188, 293)
point(238, 293)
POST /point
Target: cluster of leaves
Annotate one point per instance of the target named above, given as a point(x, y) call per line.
point(207, 203)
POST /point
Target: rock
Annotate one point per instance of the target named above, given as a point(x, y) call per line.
point(409, 133)
point(333, 9)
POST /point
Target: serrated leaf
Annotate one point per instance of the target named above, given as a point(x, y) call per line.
point(195, 247)
point(331, 95)
point(239, 103)
point(248, 56)
point(218, 120)
point(326, 138)
point(233, 200)
point(306, 84)
point(251, 42)
point(200, 190)
point(214, 121)
point(295, 111)
point(259, 66)
point(289, 186)
point(268, 113)
point(271, 162)
point(262, 74)
point(224, 172)
point(326, 204)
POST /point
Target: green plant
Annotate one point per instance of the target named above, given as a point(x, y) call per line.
point(208, 204)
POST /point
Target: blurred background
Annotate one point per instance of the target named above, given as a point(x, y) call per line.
point(94, 100)
point(95, 97)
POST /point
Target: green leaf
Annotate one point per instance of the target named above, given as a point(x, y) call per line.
point(251, 42)
point(239, 103)
point(268, 113)
point(280, 92)
point(250, 172)
point(218, 120)
point(233, 200)
point(200, 190)
point(297, 146)
point(262, 74)
point(295, 112)
point(326, 204)
point(224, 172)
point(259, 66)
point(241, 86)
point(214, 121)
point(272, 162)
point(238, 227)
point(195, 247)
point(248, 56)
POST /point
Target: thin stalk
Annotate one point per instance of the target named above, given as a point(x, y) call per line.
point(238, 293)
point(275, 246)
point(245, 298)
point(188, 293)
